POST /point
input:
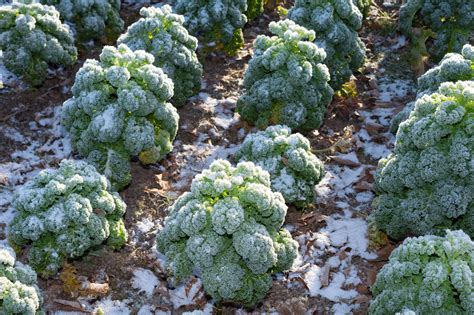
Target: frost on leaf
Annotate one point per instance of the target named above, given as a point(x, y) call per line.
point(426, 184)
point(63, 212)
point(120, 109)
point(335, 23)
point(92, 18)
point(229, 227)
point(453, 67)
point(293, 169)
point(427, 275)
point(162, 34)
point(451, 21)
point(219, 22)
point(18, 283)
point(286, 81)
point(32, 38)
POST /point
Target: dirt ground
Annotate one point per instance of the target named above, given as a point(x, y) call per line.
point(106, 275)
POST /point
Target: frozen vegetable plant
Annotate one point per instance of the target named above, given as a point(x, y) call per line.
point(453, 67)
point(19, 291)
point(426, 185)
point(336, 23)
point(286, 81)
point(294, 170)
point(92, 18)
point(215, 21)
point(120, 109)
point(229, 228)
point(427, 275)
point(64, 212)
point(163, 35)
point(32, 38)
point(452, 21)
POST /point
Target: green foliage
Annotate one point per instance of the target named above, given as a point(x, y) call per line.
point(18, 282)
point(453, 67)
point(451, 21)
point(32, 38)
point(118, 110)
point(363, 6)
point(426, 185)
point(92, 18)
point(64, 212)
point(215, 21)
point(336, 23)
point(254, 8)
point(286, 82)
point(229, 227)
point(161, 33)
point(427, 275)
point(294, 170)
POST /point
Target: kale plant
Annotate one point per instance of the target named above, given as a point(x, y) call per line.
point(18, 282)
point(453, 67)
point(161, 33)
point(336, 23)
point(63, 213)
point(452, 22)
point(219, 22)
point(286, 81)
point(120, 109)
point(32, 38)
point(427, 275)
point(229, 228)
point(294, 170)
point(426, 184)
point(92, 18)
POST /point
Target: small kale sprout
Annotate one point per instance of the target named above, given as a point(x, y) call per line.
point(294, 170)
point(229, 228)
point(18, 282)
point(453, 67)
point(426, 184)
point(286, 81)
point(452, 22)
point(92, 18)
point(336, 23)
point(217, 22)
point(63, 213)
point(32, 38)
point(427, 275)
point(120, 109)
point(161, 33)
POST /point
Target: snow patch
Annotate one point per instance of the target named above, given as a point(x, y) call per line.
point(145, 281)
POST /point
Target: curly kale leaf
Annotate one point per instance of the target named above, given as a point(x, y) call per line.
point(286, 82)
point(229, 227)
point(162, 34)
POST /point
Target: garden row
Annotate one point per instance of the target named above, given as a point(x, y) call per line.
point(229, 225)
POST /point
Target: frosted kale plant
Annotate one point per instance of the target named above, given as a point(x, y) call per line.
point(120, 109)
point(18, 282)
point(32, 38)
point(286, 81)
point(427, 275)
point(64, 212)
point(162, 34)
point(294, 170)
point(92, 18)
point(452, 22)
point(215, 21)
point(229, 228)
point(453, 67)
point(426, 185)
point(336, 23)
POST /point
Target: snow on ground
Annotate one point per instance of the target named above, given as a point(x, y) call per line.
point(45, 146)
point(145, 281)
